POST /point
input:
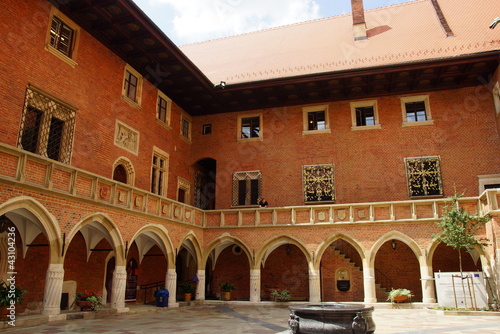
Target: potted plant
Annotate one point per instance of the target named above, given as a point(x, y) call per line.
point(88, 300)
point(187, 288)
point(226, 287)
point(9, 294)
point(280, 295)
point(399, 295)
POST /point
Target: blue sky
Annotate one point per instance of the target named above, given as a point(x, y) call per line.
point(191, 21)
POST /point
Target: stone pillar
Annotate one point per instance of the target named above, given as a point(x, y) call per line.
point(369, 283)
point(118, 289)
point(54, 279)
point(200, 286)
point(428, 286)
point(314, 286)
point(171, 286)
point(255, 285)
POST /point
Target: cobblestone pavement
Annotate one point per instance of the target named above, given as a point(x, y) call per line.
point(260, 319)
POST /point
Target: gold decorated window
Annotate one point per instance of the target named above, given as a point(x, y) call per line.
point(424, 176)
point(318, 183)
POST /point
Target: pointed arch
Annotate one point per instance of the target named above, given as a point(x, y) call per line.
point(323, 246)
point(43, 221)
point(129, 169)
point(269, 246)
point(95, 226)
point(191, 243)
point(398, 236)
point(156, 235)
point(219, 244)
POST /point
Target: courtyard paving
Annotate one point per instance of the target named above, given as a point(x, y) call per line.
point(258, 319)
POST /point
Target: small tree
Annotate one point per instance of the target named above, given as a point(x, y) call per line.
point(458, 230)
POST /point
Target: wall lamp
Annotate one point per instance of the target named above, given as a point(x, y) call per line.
point(394, 244)
point(220, 85)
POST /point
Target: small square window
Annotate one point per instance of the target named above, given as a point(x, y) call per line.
point(315, 119)
point(364, 115)
point(250, 127)
point(61, 36)
point(416, 110)
point(207, 129)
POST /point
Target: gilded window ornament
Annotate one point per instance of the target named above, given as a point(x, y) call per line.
point(318, 183)
point(424, 176)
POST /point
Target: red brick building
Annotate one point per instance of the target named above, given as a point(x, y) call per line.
point(129, 164)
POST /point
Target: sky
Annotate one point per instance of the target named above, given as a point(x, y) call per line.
point(191, 21)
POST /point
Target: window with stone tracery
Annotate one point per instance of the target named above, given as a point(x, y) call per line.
point(318, 183)
point(247, 188)
point(424, 176)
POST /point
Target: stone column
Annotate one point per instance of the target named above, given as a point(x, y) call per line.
point(171, 286)
point(428, 286)
point(200, 286)
point(369, 283)
point(255, 285)
point(314, 286)
point(118, 289)
point(54, 278)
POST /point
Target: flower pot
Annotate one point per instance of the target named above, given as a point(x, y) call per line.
point(400, 299)
point(84, 305)
point(227, 295)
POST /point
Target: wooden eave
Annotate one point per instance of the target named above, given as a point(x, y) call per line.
point(122, 27)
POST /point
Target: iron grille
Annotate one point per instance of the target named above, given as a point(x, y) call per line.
point(424, 176)
point(47, 127)
point(318, 183)
point(247, 188)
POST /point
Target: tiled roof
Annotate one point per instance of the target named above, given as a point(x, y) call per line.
point(408, 32)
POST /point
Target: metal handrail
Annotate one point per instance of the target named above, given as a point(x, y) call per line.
point(148, 286)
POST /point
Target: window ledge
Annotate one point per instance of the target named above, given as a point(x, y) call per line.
point(131, 102)
point(316, 132)
point(428, 122)
point(163, 124)
point(242, 140)
point(187, 140)
point(366, 127)
point(61, 56)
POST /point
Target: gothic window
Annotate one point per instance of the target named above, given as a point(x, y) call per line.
point(247, 188)
point(47, 126)
point(424, 176)
point(318, 183)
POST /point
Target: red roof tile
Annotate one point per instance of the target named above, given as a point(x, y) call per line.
point(408, 32)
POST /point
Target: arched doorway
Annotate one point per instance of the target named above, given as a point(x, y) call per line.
point(204, 184)
point(120, 174)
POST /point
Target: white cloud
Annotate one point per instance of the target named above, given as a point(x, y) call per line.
point(199, 20)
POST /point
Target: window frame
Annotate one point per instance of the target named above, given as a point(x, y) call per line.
point(50, 108)
point(240, 126)
point(363, 104)
point(206, 129)
point(168, 109)
point(184, 185)
point(160, 186)
point(70, 58)
point(496, 98)
point(136, 103)
point(416, 98)
point(247, 176)
point(305, 116)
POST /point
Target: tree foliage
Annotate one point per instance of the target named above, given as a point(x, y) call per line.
point(458, 228)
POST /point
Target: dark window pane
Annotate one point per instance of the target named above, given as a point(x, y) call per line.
point(29, 140)
point(120, 174)
point(365, 116)
point(242, 192)
point(254, 191)
point(55, 137)
point(250, 127)
point(316, 120)
point(415, 111)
